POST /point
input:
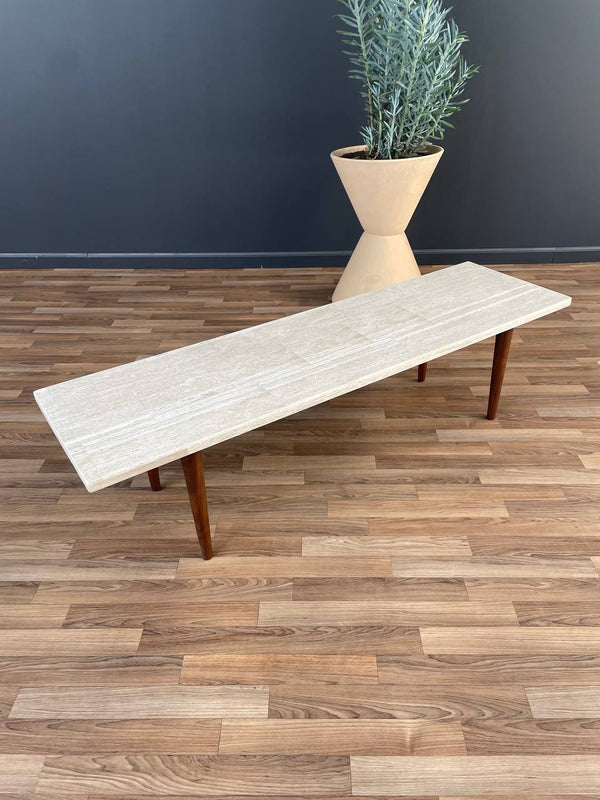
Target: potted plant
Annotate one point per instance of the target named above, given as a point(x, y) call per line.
point(407, 55)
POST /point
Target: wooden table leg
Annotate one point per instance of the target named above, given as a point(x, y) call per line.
point(422, 372)
point(193, 471)
point(501, 350)
point(154, 478)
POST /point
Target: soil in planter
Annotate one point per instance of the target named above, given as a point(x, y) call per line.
point(360, 155)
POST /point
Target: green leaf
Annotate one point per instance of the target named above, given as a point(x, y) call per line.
point(407, 54)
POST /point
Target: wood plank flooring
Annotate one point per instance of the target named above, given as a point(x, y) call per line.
point(405, 598)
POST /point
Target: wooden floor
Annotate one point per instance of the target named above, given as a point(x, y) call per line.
point(405, 598)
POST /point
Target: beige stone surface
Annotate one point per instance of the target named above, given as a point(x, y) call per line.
point(123, 421)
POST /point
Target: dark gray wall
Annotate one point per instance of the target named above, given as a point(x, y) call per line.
point(194, 126)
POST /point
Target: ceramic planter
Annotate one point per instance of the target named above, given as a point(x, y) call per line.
point(384, 195)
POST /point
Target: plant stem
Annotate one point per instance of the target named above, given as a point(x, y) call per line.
point(355, 8)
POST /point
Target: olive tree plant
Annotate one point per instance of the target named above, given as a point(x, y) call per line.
point(407, 55)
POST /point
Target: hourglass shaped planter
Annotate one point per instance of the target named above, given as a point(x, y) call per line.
point(384, 195)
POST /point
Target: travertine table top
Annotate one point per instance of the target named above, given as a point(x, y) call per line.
point(123, 421)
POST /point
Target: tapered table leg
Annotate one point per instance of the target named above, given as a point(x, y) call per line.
point(154, 478)
point(422, 372)
point(193, 471)
point(501, 350)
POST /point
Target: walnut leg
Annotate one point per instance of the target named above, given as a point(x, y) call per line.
point(193, 471)
point(422, 372)
point(154, 478)
point(501, 350)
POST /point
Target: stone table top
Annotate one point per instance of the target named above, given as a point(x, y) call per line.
point(123, 421)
